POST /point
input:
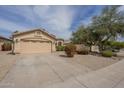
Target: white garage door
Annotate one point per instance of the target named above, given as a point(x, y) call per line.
point(35, 47)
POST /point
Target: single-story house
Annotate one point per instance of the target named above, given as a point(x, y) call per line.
point(60, 42)
point(3, 40)
point(33, 41)
point(66, 42)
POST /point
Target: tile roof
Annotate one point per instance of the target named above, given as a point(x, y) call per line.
point(43, 30)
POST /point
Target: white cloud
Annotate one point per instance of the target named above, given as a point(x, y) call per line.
point(10, 26)
point(87, 21)
point(58, 19)
point(24, 11)
point(42, 11)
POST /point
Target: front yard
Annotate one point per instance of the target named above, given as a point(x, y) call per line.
point(6, 62)
point(90, 61)
point(47, 70)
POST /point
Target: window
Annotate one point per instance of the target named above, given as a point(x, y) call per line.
point(38, 33)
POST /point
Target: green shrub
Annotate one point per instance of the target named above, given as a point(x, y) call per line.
point(107, 53)
point(60, 48)
point(117, 45)
point(70, 50)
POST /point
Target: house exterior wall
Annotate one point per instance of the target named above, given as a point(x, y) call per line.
point(66, 42)
point(19, 45)
point(58, 41)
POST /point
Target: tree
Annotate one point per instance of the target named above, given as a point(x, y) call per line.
point(105, 27)
point(83, 35)
point(108, 25)
point(79, 36)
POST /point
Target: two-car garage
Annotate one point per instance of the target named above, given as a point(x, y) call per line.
point(35, 47)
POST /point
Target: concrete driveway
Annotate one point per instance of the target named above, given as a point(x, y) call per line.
point(52, 70)
point(43, 70)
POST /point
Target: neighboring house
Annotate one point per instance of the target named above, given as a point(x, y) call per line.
point(33, 41)
point(67, 42)
point(60, 42)
point(3, 40)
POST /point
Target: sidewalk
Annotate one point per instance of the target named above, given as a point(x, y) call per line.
point(109, 77)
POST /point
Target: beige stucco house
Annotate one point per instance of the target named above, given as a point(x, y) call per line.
point(66, 42)
point(33, 41)
point(60, 42)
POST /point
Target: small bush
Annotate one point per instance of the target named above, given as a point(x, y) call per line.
point(60, 48)
point(70, 50)
point(6, 47)
point(117, 45)
point(107, 53)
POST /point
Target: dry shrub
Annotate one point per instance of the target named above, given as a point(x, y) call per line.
point(70, 50)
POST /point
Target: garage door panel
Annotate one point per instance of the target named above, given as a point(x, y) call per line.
point(35, 47)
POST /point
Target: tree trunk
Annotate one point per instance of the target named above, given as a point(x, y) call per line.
point(90, 48)
point(100, 47)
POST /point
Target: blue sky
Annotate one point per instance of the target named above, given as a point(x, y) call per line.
point(58, 20)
